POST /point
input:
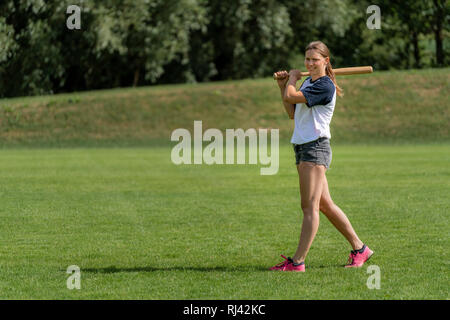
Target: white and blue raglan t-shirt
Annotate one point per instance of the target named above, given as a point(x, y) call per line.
point(312, 119)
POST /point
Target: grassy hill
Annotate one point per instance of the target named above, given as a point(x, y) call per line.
point(395, 107)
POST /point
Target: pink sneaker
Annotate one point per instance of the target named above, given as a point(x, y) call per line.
point(288, 265)
point(358, 257)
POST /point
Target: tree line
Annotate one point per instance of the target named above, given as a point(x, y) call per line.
point(144, 42)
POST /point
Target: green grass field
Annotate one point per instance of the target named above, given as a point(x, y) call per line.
point(87, 180)
point(140, 227)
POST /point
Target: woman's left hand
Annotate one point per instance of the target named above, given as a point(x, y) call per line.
point(296, 74)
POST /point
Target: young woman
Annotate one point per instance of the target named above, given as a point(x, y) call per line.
point(312, 109)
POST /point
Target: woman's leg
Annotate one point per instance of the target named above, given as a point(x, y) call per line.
point(311, 177)
point(338, 218)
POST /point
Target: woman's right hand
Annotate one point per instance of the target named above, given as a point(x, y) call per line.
point(282, 78)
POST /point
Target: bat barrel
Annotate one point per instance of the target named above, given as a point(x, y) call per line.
point(353, 70)
point(343, 71)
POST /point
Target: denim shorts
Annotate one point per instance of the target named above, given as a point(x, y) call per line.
point(317, 151)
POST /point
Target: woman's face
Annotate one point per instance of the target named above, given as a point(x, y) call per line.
point(315, 63)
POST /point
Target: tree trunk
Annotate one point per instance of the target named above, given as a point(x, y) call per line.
point(406, 53)
point(439, 7)
point(439, 48)
point(136, 77)
point(415, 42)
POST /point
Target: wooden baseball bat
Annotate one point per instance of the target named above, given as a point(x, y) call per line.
point(341, 71)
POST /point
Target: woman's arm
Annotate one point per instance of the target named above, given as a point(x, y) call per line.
point(291, 95)
point(289, 107)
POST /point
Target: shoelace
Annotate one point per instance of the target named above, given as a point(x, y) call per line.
point(351, 257)
point(284, 263)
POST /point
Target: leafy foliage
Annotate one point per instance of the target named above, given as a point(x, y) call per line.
point(142, 42)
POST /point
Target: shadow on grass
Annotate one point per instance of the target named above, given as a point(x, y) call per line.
point(114, 269)
point(175, 268)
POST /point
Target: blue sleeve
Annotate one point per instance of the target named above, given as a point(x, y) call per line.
point(320, 92)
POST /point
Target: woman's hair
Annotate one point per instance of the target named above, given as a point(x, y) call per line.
point(323, 50)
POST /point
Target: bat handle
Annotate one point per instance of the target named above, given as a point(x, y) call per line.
point(276, 78)
point(303, 74)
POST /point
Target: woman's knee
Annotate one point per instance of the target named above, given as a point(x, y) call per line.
point(310, 208)
point(326, 205)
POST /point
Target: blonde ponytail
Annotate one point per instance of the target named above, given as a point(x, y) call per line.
point(330, 73)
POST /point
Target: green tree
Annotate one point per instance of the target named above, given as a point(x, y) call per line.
point(248, 38)
point(30, 62)
point(147, 34)
point(439, 21)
